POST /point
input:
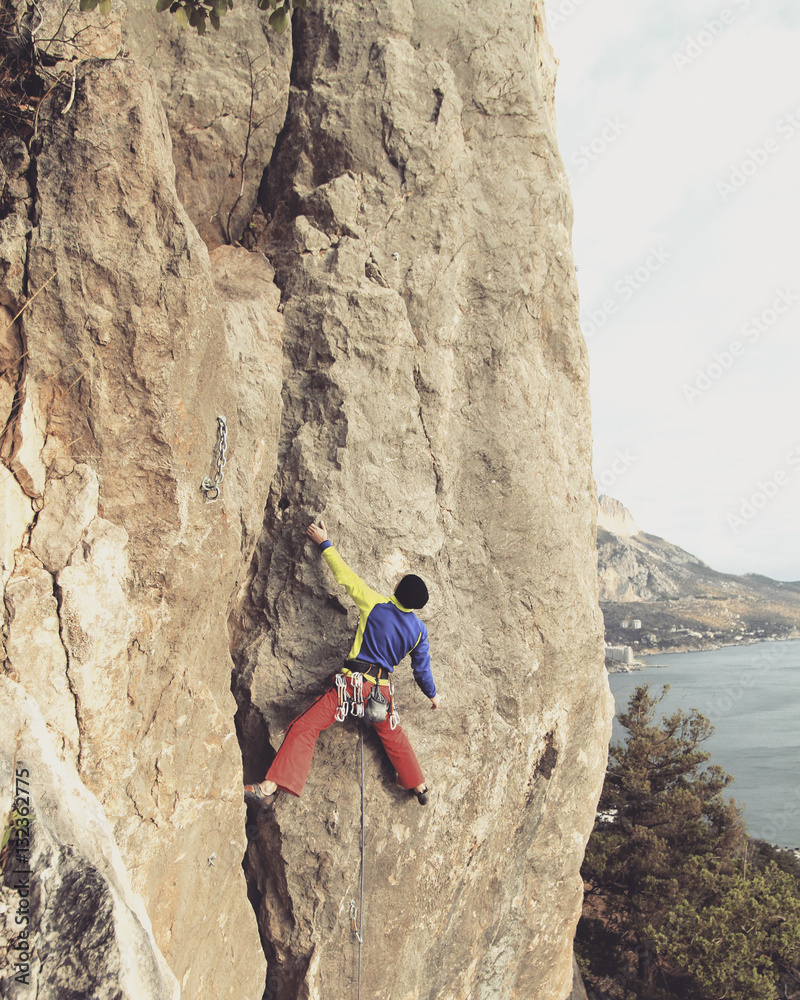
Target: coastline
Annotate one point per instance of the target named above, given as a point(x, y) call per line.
point(615, 667)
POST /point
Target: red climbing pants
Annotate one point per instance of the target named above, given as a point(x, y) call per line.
point(290, 768)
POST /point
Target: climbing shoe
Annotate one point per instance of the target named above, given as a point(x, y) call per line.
point(255, 796)
point(422, 797)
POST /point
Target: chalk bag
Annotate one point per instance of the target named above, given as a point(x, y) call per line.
point(377, 707)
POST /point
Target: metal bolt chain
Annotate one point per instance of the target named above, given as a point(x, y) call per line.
point(213, 486)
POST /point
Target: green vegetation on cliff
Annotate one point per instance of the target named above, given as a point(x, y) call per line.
point(199, 12)
point(679, 902)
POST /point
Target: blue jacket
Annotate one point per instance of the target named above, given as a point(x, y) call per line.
point(387, 631)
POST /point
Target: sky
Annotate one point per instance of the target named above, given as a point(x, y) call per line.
point(679, 126)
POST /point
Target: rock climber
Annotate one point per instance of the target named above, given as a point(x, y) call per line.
point(388, 630)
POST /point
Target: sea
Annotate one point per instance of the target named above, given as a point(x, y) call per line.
point(752, 696)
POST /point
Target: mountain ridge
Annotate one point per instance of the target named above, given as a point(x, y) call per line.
point(681, 602)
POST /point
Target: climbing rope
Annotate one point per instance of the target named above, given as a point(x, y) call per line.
point(213, 486)
point(358, 911)
point(361, 900)
point(354, 706)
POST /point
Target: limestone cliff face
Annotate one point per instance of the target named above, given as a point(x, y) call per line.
point(398, 352)
point(117, 572)
point(614, 517)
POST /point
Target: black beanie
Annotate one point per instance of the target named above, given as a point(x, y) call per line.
point(411, 592)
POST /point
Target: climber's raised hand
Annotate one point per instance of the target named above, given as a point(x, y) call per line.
point(318, 533)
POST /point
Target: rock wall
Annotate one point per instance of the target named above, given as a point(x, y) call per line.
point(130, 341)
point(225, 96)
point(436, 415)
point(399, 353)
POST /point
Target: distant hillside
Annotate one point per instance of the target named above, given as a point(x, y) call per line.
point(681, 602)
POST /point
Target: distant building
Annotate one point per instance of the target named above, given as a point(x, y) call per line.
point(620, 654)
point(636, 623)
point(625, 624)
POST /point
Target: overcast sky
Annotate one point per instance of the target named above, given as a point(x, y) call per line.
point(679, 124)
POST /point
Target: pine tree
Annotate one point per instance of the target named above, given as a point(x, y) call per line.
point(663, 820)
point(738, 935)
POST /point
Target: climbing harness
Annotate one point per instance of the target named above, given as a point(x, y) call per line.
point(213, 486)
point(376, 708)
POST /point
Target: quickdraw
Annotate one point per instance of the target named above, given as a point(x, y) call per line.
point(353, 704)
point(394, 718)
point(343, 699)
point(354, 918)
point(357, 705)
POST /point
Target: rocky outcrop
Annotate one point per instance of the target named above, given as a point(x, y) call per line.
point(132, 340)
point(399, 353)
point(634, 566)
point(225, 95)
point(644, 567)
point(615, 517)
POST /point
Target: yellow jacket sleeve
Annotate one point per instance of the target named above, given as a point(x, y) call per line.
point(365, 597)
